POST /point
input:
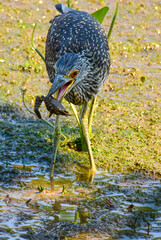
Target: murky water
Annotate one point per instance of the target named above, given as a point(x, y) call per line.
point(25, 209)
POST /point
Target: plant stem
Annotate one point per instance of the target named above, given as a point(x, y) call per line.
point(33, 45)
point(69, 3)
point(23, 100)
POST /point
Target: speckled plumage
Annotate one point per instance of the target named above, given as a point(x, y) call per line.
point(78, 32)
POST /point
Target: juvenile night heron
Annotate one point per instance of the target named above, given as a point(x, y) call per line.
point(77, 60)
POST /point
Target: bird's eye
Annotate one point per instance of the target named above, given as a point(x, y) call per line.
point(74, 74)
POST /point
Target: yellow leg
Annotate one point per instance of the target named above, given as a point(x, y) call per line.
point(57, 134)
point(84, 125)
point(90, 118)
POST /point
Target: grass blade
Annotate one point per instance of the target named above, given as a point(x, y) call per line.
point(69, 3)
point(113, 21)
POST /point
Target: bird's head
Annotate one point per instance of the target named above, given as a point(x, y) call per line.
point(69, 70)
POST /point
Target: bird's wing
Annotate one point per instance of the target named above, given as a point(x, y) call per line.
point(63, 38)
point(75, 32)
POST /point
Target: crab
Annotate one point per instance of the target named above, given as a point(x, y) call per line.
point(52, 105)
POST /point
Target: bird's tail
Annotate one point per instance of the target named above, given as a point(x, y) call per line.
point(62, 8)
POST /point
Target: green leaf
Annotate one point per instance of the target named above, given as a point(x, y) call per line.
point(69, 3)
point(100, 14)
point(113, 21)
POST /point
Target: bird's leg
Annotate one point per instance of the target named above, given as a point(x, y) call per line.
point(84, 125)
point(90, 117)
point(83, 143)
point(75, 113)
point(57, 133)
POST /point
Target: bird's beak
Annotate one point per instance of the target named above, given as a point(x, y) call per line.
point(62, 84)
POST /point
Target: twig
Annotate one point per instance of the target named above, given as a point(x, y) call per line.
point(23, 99)
point(107, 200)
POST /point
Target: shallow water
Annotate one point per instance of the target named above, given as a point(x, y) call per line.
point(82, 203)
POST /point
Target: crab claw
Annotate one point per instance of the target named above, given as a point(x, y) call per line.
point(38, 102)
point(54, 106)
